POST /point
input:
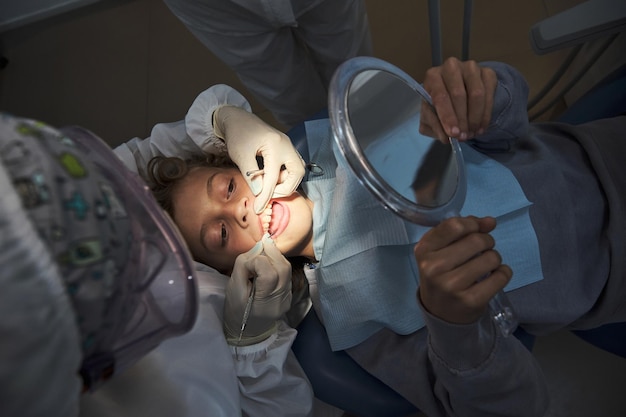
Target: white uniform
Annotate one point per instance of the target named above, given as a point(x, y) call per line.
point(198, 374)
point(284, 51)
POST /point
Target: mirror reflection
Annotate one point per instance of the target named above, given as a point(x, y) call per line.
point(419, 168)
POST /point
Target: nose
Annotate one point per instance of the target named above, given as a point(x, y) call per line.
point(241, 210)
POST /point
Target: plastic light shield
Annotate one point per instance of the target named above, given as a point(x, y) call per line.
point(157, 290)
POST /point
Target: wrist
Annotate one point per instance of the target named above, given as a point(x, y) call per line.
point(219, 117)
point(245, 340)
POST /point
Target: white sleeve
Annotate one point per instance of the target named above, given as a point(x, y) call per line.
point(185, 137)
point(198, 374)
point(271, 381)
point(269, 378)
point(260, 380)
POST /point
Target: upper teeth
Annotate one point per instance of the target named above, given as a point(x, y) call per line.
point(267, 218)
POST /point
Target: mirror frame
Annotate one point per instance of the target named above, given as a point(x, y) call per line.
point(350, 148)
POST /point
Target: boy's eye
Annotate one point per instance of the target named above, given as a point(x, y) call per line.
point(224, 236)
point(231, 187)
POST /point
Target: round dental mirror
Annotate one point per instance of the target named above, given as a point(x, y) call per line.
point(381, 120)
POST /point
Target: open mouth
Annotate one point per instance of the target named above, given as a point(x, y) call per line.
point(275, 218)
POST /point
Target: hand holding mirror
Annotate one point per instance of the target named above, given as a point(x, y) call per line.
point(376, 111)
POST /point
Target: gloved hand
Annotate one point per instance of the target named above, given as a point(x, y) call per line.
point(272, 296)
point(247, 136)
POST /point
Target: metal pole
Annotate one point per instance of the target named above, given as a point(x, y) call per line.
point(434, 20)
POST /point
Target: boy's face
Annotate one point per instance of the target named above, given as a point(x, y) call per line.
point(214, 210)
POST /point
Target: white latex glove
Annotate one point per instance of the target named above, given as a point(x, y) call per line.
point(247, 136)
point(272, 296)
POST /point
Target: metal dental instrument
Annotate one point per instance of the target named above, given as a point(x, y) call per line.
point(255, 172)
point(315, 169)
point(246, 312)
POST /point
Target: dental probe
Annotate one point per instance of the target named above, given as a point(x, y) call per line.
point(255, 172)
point(246, 311)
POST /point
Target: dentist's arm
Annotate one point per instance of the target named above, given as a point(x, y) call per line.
point(270, 378)
point(183, 138)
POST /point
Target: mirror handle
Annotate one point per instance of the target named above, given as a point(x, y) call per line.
point(502, 311)
point(503, 314)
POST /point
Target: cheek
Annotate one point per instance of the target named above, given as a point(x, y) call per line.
point(244, 243)
point(194, 246)
point(245, 248)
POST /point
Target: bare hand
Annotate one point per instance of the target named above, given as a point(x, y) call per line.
point(453, 258)
point(462, 94)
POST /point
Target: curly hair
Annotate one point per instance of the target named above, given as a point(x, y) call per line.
point(165, 173)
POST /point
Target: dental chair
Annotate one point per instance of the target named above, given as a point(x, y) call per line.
point(339, 381)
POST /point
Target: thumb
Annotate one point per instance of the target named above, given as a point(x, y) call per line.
point(263, 198)
point(244, 268)
point(289, 179)
point(280, 263)
point(271, 171)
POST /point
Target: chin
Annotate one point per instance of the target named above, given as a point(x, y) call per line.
point(284, 249)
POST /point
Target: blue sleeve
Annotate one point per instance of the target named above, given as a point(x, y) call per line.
point(509, 118)
point(476, 355)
